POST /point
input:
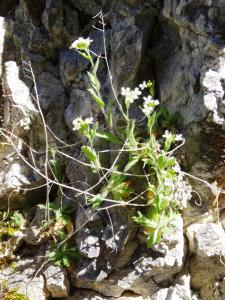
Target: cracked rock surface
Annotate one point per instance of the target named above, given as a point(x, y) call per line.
point(179, 44)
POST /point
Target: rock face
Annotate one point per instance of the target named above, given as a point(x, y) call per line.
point(180, 44)
point(56, 281)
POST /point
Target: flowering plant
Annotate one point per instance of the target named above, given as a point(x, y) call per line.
point(154, 188)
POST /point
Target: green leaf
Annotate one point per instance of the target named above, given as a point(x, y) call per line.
point(96, 98)
point(152, 89)
point(94, 81)
point(85, 55)
point(66, 261)
point(52, 152)
point(90, 153)
point(17, 219)
point(108, 136)
point(151, 121)
point(131, 163)
point(130, 135)
point(95, 69)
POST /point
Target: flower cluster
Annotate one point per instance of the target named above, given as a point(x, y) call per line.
point(78, 123)
point(175, 137)
point(130, 95)
point(143, 85)
point(81, 44)
point(149, 105)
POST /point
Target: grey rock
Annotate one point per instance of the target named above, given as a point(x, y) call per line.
point(51, 91)
point(53, 100)
point(89, 7)
point(56, 281)
point(89, 245)
point(35, 10)
point(39, 43)
point(206, 283)
point(19, 112)
point(22, 278)
point(143, 275)
point(71, 64)
point(34, 233)
point(206, 240)
point(80, 105)
point(90, 295)
point(126, 40)
point(61, 22)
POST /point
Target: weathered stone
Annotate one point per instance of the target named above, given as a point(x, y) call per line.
point(126, 40)
point(61, 22)
point(56, 281)
point(19, 112)
point(89, 7)
point(87, 294)
point(39, 43)
point(206, 240)
point(205, 276)
point(80, 106)
point(34, 233)
point(53, 100)
point(35, 10)
point(181, 44)
point(23, 279)
point(143, 275)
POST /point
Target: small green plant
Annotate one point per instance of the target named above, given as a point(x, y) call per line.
point(63, 255)
point(149, 153)
point(58, 229)
point(10, 226)
point(17, 219)
point(7, 293)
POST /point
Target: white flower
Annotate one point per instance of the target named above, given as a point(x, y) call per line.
point(143, 85)
point(168, 182)
point(147, 110)
point(176, 168)
point(77, 123)
point(149, 105)
point(147, 99)
point(81, 43)
point(167, 135)
point(130, 95)
point(179, 137)
point(125, 91)
point(89, 121)
point(25, 123)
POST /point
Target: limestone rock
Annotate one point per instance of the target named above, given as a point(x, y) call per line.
point(142, 275)
point(80, 105)
point(33, 234)
point(35, 10)
point(22, 278)
point(89, 7)
point(206, 240)
point(53, 101)
point(60, 21)
point(205, 276)
point(56, 281)
point(87, 294)
point(126, 40)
